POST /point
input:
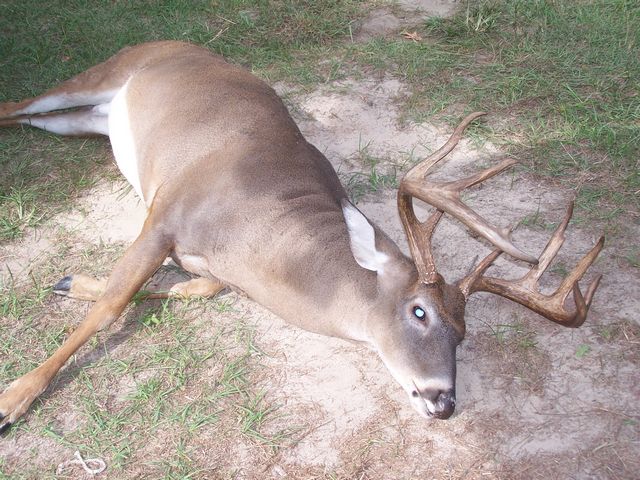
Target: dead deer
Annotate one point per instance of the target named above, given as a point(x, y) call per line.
point(236, 196)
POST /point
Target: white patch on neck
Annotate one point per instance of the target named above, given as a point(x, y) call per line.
point(363, 239)
point(122, 141)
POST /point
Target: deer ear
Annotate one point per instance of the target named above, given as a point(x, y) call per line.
point(363, 239)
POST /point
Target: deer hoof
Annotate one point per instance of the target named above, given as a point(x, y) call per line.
point(5, 425)
point(63, 286)
point(18, 396)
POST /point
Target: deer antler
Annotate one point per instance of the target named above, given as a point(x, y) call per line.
point(525, 290)
point(446, 198)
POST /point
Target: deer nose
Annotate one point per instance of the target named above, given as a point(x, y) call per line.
point(441, 403)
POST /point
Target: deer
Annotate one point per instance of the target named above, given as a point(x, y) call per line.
point(238, 198)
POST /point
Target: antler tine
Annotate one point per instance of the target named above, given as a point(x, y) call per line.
point(550, 250)
point(421, 169)
point(467, 284)
point(525, 290)
point(583, 302)
point(419, 234)
point(446, 197)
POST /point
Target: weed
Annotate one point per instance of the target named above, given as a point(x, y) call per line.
point(537, 220)
point(633, 257)
point(582, 350)
point(376, 174)
point(560, 269)
point(223, 304)
point(514, 333)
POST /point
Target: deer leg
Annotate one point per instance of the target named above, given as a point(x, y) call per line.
point(81, 287)
point(136, 266)
point(86, 121)
point(59, 98)
point(84, 287)
point(95, 86)
point(196, 287)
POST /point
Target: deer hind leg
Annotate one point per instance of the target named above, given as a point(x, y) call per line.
point(135, 267)
point(84, 287)
point(88, 121)
point(67, 95)
point(95, 86)
point(50, 111)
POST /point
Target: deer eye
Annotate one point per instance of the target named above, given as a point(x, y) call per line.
point(419, 313)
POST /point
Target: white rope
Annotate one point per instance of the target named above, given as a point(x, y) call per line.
point(98, 463)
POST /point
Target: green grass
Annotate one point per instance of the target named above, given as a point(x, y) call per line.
point(560, 79)
point(56, 39)
point(376, 174)
point(145, 392)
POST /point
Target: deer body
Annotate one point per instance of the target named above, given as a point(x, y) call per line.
point(237, 196)
point(251, 188)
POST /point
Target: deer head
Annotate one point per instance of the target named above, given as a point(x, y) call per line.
point(425, 325)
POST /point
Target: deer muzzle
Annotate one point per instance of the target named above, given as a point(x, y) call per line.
point(439, 404)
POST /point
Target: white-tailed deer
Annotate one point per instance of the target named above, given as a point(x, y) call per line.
point(236, 196)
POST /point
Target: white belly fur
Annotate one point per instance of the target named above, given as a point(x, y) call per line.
point(122, 141)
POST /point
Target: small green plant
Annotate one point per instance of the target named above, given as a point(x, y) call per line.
point(582, 350)
point(514, 333)
point(633, 257)
point(155, 316)
point(223, 304)
point(19, 212)
point(560, 269)
point(376, 174)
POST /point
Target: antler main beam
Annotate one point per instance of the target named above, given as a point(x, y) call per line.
point(525, 290)
point(445, 197)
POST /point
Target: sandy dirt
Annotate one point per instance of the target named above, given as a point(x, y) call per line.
point(531, 403)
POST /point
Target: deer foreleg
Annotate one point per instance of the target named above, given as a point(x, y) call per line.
point(136, 266)
point(84, 287)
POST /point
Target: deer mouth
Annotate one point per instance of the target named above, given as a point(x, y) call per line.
point(436, 404)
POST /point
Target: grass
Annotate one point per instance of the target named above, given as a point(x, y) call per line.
point(515, 333)
point(41, 173)
point(376, 174)
point(144, 393)
point(518, 356)
point(559, 78)
point(171, 386)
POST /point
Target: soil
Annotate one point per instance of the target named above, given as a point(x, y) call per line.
point(535, 400)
